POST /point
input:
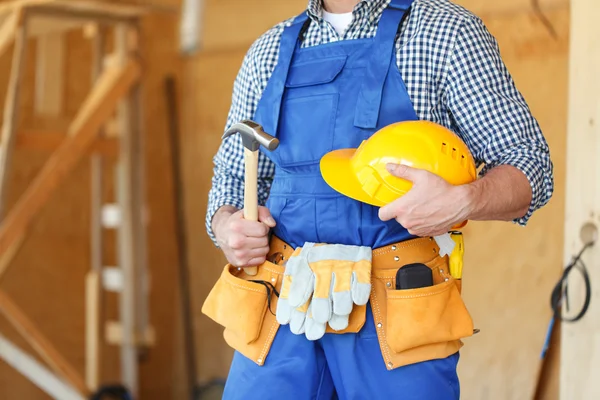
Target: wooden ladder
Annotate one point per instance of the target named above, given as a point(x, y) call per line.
point(108, 125)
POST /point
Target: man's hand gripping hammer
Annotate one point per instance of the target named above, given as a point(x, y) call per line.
point(253, 136)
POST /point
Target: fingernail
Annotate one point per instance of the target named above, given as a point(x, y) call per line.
point(390, 167)
point(270, 221)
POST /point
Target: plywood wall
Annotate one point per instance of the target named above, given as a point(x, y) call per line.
point(47, 278)
point(509, 270)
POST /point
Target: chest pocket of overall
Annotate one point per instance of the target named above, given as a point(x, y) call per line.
point(308, 111)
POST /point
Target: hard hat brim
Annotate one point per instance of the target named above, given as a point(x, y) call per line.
point(337, 172)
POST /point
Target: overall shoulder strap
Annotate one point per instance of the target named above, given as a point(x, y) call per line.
point(371, 93)
point(401, 4)
point(270, 102)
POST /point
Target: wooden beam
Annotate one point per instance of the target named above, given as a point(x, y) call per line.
point(7, 258)
point(48, 141)
point(94, 297)
point(102, 101)
point(41, 25)
point(50, 72)
point(124, 10)
point(8, 6)
point(114, 335)
point(92, 329)
point(36, 372)
point(126, 232)
point(8, 29)
point(11, 111)
point(580, 342)
point(40, 343)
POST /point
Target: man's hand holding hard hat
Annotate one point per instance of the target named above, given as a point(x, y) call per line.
point(432, 207)
point(414, 170)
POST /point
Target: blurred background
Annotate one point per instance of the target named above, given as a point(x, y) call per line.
point(63, 258)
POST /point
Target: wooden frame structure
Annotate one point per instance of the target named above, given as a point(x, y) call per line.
point(115, 97)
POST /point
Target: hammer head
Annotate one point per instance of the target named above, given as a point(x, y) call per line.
point(253, 135)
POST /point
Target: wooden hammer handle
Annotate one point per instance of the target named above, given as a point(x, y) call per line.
point(250, 193)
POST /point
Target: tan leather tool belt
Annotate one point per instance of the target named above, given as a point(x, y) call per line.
point(413, 325)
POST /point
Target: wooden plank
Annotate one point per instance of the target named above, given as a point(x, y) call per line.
point(7, 258)
point(580, 341)
point(111, 8)
point(114, 335)
point(125, 235)
point(142, 315)
point(97, 108)
point(49, 141)
point(92, 330)
point(36, 372)
point(50, 71)
point(94, 310)
point(40, 343)
point(41, 25)
point(8, 6)
point(122, 10)
point(11, 106)
point(8, 30)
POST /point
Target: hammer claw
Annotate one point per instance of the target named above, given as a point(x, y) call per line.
point(253, 136)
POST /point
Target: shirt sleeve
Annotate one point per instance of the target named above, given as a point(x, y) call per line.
point(228, 171)
point(491, 115)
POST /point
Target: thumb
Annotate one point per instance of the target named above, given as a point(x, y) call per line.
point(264, 216)
point(404, 171)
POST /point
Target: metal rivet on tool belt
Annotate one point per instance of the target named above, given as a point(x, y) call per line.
point(388, 284)
point(394, 248)
point(396, 258)
point(259, 360)
point(273, 279)
point(434, 251)
point(446, 280)
point(390, 365)
point(379, 325)
point(441, 271)
point(239, 269)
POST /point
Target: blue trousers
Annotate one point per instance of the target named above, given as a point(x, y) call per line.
point(345, 367)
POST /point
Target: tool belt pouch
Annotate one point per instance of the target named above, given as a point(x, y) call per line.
point(426, 316)
point(240, 303)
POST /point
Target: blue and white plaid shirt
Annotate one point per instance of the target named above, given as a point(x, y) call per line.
point(454, 75)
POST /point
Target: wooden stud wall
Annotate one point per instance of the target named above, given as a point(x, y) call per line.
point(48, 277)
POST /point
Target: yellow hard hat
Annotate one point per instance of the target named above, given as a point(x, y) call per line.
point(361, 173)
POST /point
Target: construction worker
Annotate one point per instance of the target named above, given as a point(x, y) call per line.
point(328, 79)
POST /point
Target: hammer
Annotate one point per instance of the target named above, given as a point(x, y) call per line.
point(253, 136)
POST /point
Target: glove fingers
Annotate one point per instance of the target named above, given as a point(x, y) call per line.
point(297, 321)
point(339, 322)
point(284, 310)
point(303, 278)
point(321, 310)
point(302, 287)
point(361, 291)
point(314, 330)
point(283, 314)
point(342, 303)
point(298, 318)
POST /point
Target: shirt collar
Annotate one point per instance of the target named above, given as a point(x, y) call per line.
point(315, 7)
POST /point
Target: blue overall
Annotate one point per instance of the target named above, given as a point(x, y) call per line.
point(320, 99)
